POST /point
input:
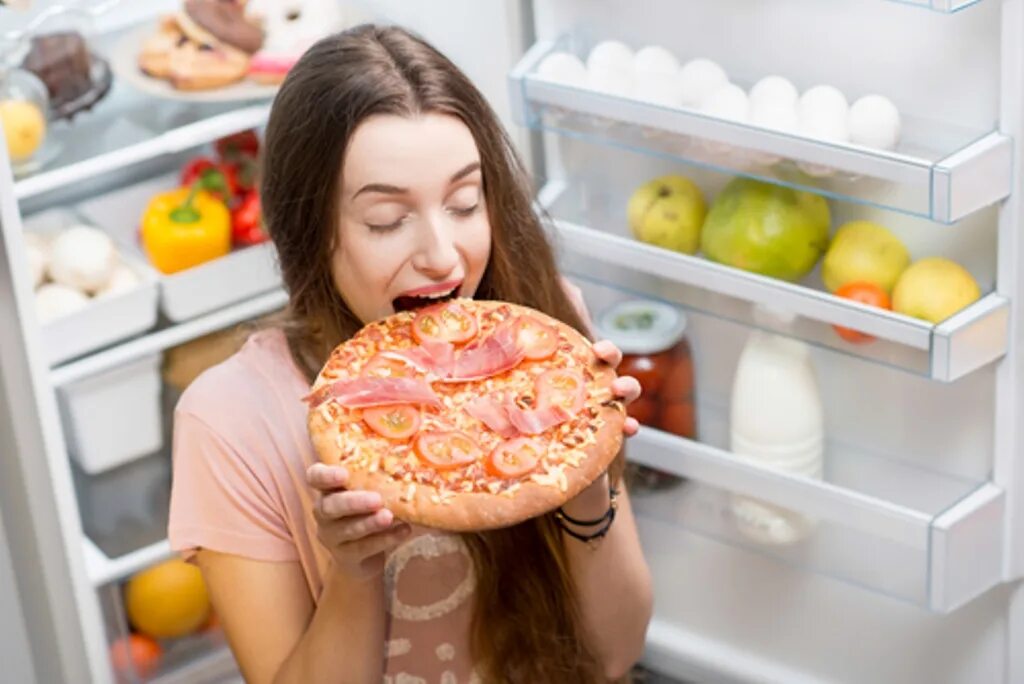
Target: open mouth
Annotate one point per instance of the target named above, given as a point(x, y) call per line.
point(411, 302)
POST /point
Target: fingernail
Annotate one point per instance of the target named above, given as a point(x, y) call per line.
point(373, 500)
point(384, 517)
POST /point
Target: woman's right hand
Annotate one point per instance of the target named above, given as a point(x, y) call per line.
point(352, 524)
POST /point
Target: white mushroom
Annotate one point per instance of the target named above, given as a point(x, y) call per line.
point(54, 300)
point(121, 280)
point(83, 258)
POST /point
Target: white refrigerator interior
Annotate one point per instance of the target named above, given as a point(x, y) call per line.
point(906, 565)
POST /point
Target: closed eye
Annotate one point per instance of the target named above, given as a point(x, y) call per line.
point(385, 227)
point(465, 211)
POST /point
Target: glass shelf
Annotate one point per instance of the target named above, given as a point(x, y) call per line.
point(592, 240)
point(946, 6)
point(129, 127)
point(939, 171)
point(924, 537)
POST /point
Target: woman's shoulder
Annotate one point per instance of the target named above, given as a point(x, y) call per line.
point(259, 374)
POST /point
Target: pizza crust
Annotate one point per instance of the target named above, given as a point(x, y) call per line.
point(477, 511)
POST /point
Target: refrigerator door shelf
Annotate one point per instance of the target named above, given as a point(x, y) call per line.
point(939, 171)
point(970, 339)
point(235, 277)
point(947, 6)
point(927, 538)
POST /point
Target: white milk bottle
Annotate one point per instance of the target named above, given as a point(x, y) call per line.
point(777, 422)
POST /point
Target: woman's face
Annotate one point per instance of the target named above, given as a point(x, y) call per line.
point(413, 226)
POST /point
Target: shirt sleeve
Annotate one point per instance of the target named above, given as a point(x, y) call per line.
point(219, 501)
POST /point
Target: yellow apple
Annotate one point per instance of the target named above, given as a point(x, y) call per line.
point(934, 289)
point(862, 251)
point(668, 212)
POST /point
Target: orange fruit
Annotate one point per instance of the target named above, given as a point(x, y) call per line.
point(865, 293)
point(136, 653)
point(168, 600)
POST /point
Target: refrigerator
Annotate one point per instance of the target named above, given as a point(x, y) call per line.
point(908, 569)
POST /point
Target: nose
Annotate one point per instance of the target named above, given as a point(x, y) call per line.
point(436, 254)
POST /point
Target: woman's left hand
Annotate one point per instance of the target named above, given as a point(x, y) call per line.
point(625, 387)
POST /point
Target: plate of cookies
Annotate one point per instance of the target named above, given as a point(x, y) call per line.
point(222, 50)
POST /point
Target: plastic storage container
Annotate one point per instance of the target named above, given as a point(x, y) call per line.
point(656, 352)
point(232, 278)
point(114, 417)
point(107, 318)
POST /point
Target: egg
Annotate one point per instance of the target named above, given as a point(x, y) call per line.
point(655, 59)
point(564, 68)
point(823, 113)
point(773, 91)
point(610, 81)
point(659, 89)
point(874, 121)
point(82, 257)
point(699, 79)
point(775, 116)
point(611, 55)
point(121, 280)
point(54, 300)
point(727, 102)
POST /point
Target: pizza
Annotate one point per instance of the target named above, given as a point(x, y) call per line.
point(467, 415)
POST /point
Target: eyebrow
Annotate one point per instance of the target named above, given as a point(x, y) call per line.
point(395, 190)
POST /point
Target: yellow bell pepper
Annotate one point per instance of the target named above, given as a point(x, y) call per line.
point(184, 228)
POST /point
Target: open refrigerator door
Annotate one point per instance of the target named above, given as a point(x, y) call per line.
point(839, 502)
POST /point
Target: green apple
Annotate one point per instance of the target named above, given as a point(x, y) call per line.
point(767, 229)
point(862, 251)
point(668, 212)
point(934, 289)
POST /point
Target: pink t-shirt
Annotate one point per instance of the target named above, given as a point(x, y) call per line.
point(240, 456)
point(241, 451)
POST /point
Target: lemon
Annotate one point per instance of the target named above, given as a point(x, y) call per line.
point(24, 128)
point(168, 600)
point(934, 289)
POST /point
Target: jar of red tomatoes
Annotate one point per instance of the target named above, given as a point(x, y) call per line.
point(652, 337)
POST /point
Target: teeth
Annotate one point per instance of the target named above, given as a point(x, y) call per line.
point(438, 295)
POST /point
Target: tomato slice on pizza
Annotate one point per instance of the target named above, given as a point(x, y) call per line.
point(514, 458)
point(394, 422)
point(537, 340)
point(447, 322)
point(562, 387)
point(446, 450)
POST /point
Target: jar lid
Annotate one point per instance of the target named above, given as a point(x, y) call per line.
point(642, 326)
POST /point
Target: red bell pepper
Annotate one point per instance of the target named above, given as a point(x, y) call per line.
point(210, 177)
point(238, 145)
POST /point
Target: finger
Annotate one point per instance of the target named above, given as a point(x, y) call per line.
point(326, 477)
point(630, 427)
point(608, 352)
point(343, 504)
point(627, 388)
point(356, 527)
point(367, 547)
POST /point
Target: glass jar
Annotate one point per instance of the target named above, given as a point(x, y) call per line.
point(24, 110)
point(651, 336)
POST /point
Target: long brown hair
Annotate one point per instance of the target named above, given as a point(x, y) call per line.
point(526, 619)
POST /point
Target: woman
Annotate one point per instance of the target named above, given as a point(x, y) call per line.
point(387, 181)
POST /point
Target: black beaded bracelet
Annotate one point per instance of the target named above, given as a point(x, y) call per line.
point(605, 520)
